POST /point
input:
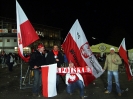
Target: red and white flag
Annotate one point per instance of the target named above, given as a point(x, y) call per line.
point(25, 31)
point(123, 54)
point(49, 80)
point(77, 50)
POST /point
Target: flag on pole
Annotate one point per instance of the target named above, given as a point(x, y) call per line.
point(49, 80)
point(25, 31)
point(123, 54)
point(77, 50)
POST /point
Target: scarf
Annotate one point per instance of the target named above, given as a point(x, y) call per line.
point(55, 53)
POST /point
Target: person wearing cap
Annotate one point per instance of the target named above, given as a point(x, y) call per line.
point(112, 63)
point(36, 60)
point(55, 56)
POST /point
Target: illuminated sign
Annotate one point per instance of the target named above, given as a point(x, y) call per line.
point(14, 30)
point(40, 33)
point(102, 48)
point(3, 30)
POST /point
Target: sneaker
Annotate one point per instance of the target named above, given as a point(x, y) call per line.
point(106, 91)
point(39, 95)
point(83, 97)
point(119, 94)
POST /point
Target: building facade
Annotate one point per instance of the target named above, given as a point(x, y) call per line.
point(8, 36)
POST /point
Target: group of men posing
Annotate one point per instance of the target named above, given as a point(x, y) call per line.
point(38, 59)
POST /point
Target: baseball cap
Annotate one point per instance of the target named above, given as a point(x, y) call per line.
point(40, 46)
point(112, 48)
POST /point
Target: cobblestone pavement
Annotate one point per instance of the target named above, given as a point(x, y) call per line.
point(10, 87)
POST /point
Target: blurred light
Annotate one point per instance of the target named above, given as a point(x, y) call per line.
point(93, 38)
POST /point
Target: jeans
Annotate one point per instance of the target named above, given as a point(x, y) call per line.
point(116, 76)
point(78, 84)
point(10, 65)
point(57, 82)
point(37, 82)
point(57, 79)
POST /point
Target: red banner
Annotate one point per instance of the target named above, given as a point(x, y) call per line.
point(74, 70)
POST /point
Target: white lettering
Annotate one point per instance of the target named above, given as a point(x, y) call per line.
point(40, 33)
point(83, 70)
point(78, 70)
point(74, 70)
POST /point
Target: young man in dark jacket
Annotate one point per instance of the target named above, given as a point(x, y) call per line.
point(55, 56)
point(37, 59)
point(10, 61)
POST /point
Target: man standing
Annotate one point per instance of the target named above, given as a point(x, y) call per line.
point(55, 56)
point(112, 62)
point(10, 61)
point(37, 59)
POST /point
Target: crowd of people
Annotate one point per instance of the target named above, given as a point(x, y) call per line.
point(38, 58)
point(9, 60)
point(41, 57)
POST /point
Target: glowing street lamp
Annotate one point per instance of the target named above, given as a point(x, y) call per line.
point(95, 39)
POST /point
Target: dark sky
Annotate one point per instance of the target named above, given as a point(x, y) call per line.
point(109, 21)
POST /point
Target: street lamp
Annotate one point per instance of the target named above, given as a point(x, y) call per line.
point(95, 39)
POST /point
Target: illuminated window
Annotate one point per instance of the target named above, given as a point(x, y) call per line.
point(15, 40)
point(8, 40)
point(50, 35)
point(56, 35)
point(51, 43)
point(46, 43)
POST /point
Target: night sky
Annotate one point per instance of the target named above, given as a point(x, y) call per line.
point(108, 21)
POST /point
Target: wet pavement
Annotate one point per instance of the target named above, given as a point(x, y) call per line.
point(10, 87)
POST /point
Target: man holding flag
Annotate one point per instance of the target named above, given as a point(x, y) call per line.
point(37, 59)
point(27, 35)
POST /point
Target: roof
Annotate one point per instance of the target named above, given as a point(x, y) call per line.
point(102, 47)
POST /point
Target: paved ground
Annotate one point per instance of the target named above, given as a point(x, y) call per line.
point(10, 87)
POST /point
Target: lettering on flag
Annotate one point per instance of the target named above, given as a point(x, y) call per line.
point(74, 70)
point(78, 35)
point(74, 57)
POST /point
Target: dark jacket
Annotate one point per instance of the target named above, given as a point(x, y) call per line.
point(8, 59)
point(37, 59)
point(51, 60)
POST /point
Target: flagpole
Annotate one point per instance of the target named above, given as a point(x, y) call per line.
point(21, 75)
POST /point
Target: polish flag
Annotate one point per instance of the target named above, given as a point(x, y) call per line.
point(49, 80)
point(123, 54)
point(25, 31)
point(77, 50)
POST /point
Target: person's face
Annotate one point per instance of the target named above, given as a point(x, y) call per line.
point(71, 65)
point(41, 49)
point(55, 48)
point(112, 51)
